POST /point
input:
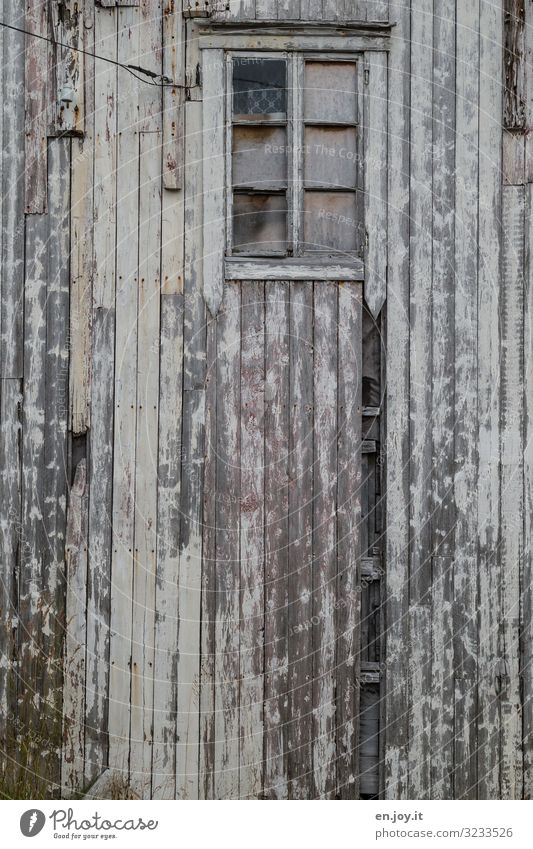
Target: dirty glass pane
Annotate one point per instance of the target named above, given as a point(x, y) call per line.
point(259, 88)
point(330, 157)
point(260, 157)
point(259, 224)
point(331, 92)
point(330, 222)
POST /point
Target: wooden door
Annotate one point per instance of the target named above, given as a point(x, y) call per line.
point(281, 594)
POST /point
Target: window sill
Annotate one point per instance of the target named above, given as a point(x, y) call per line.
point(294, 268)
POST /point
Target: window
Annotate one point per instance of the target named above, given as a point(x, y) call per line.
point(294, 175)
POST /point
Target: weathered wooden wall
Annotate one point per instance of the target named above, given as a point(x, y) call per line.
point(111, 425)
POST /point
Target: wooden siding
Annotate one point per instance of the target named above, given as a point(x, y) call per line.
point(185, 510)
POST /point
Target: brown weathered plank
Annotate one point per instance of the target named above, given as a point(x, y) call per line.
point(348, 539)
point(227, 548)
point(299, 730)
point(397, 472)
point(276, 539)
point(72, 771)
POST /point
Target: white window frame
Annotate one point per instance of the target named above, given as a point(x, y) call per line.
point(296, 60)
point(371, 53)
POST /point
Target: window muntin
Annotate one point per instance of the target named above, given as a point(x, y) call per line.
point(294, 159)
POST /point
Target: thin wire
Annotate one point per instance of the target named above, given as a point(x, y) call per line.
point(166, 83)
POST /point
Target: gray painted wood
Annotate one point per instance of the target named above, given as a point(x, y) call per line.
point(397, 413)
point(489, 503)
point(465, 414)
point(349, 573)
point(300, 734)
point(276, 425)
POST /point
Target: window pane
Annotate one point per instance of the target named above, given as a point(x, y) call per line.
point(259, 224)
point(259, 88)
point(330, 92)
point(260, 157)
point(330, 157)
point(330, 222)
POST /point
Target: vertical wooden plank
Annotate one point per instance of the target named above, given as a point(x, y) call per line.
point(512, 484)
point(240, 10)
point(443, 380)
point(173, 96)
point(375, 180)
point(324, 537)
point(72, 772)
point(442, 679)
point(189, 601)
point(32, 759)
point(489, 258)
point(421, 469)
point(36, 121)
point(11, 543)
point(527, 602)
point(289, 10)
point(266, 10)
point(148, 39)
point(13, 181)
point(420, 629)
point(420, 305)
point(276, 539)
point(311, 10)
point(54, 494)
point(168, 531)
point(208, 613)
point(514, 97)
point(145, 509)
point(100, 543)
point(66, 76)
point(125, 441)
point(213, 176)
point(465, 365)
point(82, 241)
point(349, 479)
point(252, 544)
point(227, 687)
point(397, 419)
point(105, 129)
point(300, 542)
point(195, 310)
